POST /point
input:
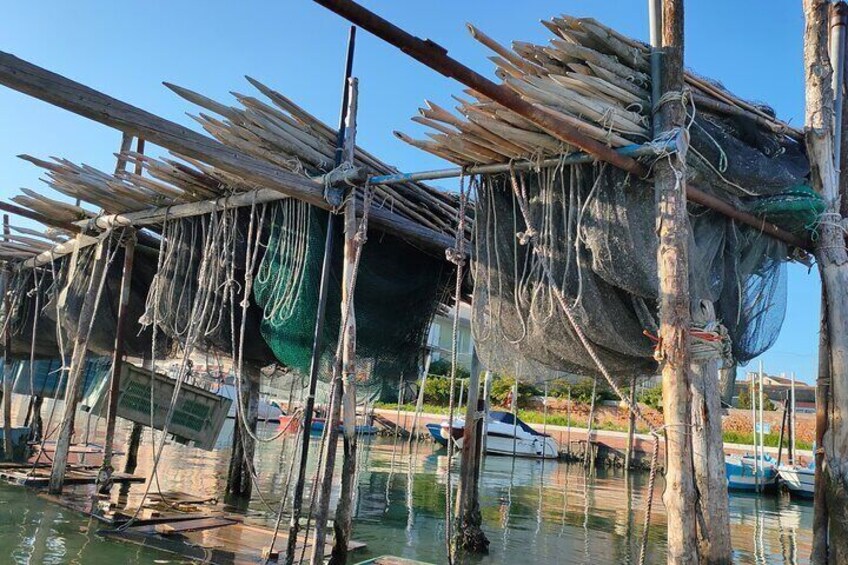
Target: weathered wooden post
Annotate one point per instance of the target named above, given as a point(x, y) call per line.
point(419, 403)
point(343, 523)
point(830, 524)
point(673, 268)
point(631, 427)
point(117, 361)
point(344, 365)
point(73, 389)
point(7, 353)
point(713, 519)
point(469, 537)
point(239, 482)
point(727, 382)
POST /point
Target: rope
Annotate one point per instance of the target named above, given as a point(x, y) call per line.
point(521, 197)
point(457, 256)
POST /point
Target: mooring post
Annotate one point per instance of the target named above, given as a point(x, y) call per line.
point(7, 352)
point(318, 336)
point(713, 518)
point(344, 364)
point(631, 426)
point(469, 536)
point(239, 482)
point(673, 270)
point(343, 523)
point(73, 389)
point(117, 360)
point(419, 404)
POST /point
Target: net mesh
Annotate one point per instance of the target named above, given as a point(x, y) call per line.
point(597, 229)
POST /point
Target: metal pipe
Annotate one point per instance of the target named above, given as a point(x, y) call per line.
point(838, 20)
point(646, 150)
point(436, 57)
point(318, 335)
point(654, 29)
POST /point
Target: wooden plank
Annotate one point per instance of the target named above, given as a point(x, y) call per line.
point(184, 526)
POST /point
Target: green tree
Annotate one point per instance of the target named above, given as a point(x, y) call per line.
point(745, 398)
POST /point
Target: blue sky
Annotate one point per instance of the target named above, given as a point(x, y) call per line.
point(127, 49)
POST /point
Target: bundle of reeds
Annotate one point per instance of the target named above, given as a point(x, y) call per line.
point(279, 131)
point(23, 243)
point(592, 76)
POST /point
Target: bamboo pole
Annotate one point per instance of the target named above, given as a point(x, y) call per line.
point(469, 537)
point(318, 337)
point(117, 361)
point(674, 306)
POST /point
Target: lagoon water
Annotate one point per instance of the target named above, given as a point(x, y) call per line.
point(533, 512)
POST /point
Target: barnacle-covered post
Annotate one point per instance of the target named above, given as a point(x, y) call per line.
point(675, 318)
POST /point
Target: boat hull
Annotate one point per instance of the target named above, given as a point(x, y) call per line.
point(799, 481)
point(507, 439)
point(741, 475)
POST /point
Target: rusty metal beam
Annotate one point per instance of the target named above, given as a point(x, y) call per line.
point(436, 57)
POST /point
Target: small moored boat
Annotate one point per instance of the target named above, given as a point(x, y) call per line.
point(798, 480)
point(743, 472)
point(508, 435)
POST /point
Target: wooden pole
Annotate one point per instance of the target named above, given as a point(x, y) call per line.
point(469, 536)
point(673, 268)
point(239, 481)
point(73, 389)
point(7, 353)
point(830, 522)
point(343, 523)
point(713, 514)
point(317, 338)
point(419, 404)
point(727, 382)
point(487, 407)
point(631, 426)
point(792, 460)
point(346, 358)
point(117, 359)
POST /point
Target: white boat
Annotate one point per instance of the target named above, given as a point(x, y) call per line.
point(268, 410)
point(800, 481)
point(743, 472)
point(508, 436)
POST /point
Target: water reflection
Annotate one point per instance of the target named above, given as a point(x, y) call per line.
point(533, 511)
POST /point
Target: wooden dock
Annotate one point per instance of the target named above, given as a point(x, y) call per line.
point(391, 560)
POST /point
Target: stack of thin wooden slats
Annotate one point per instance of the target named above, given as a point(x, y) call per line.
point(284, 134)
point(593, 77)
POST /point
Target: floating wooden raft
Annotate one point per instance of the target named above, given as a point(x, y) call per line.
point(591, 76)
point(25, 475)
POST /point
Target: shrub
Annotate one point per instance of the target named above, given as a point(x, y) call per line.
point(652, 397)
point(745, 398)
point(442, 367)
point(502, 387)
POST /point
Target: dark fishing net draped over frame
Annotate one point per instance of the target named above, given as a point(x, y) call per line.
point(597, 226)
point(397, 292)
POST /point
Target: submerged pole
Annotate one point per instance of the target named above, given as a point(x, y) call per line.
point(117, 362)
point(318, 336)
point(674, 303)
point(469, 536)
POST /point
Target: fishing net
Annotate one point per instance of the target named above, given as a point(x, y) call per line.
point(397, 292)
point(596, 227)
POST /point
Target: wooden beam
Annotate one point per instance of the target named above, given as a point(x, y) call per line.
point(60, 91)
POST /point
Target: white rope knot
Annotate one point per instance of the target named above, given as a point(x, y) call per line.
point(527, 236)
point(709, 339)
point(681, 96)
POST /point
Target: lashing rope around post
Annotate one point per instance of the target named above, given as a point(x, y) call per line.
point(520, 193)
